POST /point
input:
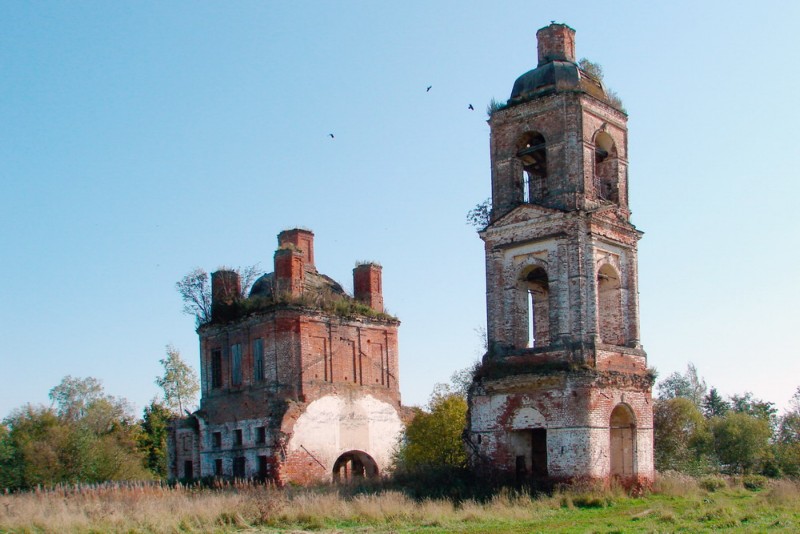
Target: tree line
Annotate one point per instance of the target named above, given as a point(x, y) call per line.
point(697, 431)
point(88, 436)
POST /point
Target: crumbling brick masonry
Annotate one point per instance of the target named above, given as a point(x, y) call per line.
point(298, 380)
point(564, 390)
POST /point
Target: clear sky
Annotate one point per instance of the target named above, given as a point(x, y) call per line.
point(139, 140)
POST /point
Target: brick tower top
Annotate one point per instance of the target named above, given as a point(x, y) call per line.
point(556, 43)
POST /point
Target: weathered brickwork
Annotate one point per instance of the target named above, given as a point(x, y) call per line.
point(564, 391)
point(298, 380)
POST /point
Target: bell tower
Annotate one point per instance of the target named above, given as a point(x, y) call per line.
point(563, 391)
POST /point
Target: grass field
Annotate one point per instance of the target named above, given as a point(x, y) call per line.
point(677, 504)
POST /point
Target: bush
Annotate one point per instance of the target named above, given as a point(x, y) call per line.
point(754, 482)
point(713, 483)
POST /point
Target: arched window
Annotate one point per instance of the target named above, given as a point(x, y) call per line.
point(609, 306)
point(605, 168)
point(537, 298)
point(622, 436)
point(532, 151)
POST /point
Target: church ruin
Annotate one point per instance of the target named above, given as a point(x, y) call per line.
point(298, 378)
point(564, 392)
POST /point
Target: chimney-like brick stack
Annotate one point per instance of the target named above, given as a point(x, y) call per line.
point(226, 287)
point(302, 240)
point(367, 285)
point(556, 43)
point(289, 271)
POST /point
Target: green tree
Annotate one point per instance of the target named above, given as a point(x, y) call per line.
point(433, 438)
point(741, 441)
point(750, 405)
point(178, 383)
point(153, 438)
point(714, 405)
point(680, 435)
point(481, 215)
point(72, 396)
point(787, 442)
point(87, 436)
point(687, 385)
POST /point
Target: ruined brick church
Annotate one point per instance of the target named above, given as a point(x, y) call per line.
point(564, 392)
point(299, 380)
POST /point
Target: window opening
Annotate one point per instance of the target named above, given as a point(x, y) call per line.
point(216, 368)
point(605, 168)
point(258, 360)
point(188, 471)
point(239, 465)
point(264, 468)
point(218, 467)
point(236, 365)
point(538, 308)
point(261, 434)
point(216, 440)
point(237, 437)
point(532, 152)
point(609, 306)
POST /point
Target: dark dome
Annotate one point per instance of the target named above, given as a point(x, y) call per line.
point(315, 284)
point(555, 76)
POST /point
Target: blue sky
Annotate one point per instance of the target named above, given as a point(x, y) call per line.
point(139, 140)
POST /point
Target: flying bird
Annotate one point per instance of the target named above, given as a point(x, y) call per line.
point(470, 107)
point(331, 136)
point(428, 89)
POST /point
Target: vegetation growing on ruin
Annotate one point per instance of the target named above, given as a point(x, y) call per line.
point(595, 70)
point(338, 305)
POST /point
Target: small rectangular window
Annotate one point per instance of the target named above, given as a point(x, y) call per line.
point(216, 368)
point(237, 437)
point(258, 360)
point(236, 365)
point(216, 440)
point(261, 434)
point(239, 467)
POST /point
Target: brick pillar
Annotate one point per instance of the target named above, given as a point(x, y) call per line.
point(367, 285)
point(289, 271)
point(556, 43)
point(226, 288)
point(302, 240)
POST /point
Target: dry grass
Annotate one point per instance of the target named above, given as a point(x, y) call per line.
point(679, 504)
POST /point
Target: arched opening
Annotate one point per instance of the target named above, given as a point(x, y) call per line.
point(537, 307)
point(605, 168)
point(532, 152)
point(609, 306)
point(353, 466)
point(622, 441)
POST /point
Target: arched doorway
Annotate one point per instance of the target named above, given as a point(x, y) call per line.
point(354, 465)
point(623, 441)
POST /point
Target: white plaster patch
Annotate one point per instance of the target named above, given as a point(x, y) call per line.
point(332, 425)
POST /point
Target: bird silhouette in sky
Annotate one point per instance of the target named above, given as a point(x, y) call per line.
point(428, 89)
point(331, 136)
point(470, 107)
